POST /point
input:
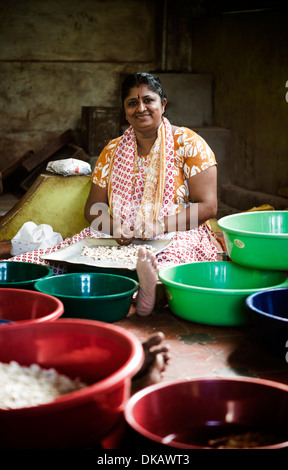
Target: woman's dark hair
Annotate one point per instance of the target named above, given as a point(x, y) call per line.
point(136, 79)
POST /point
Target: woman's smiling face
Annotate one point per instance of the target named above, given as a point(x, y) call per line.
point(143, 108)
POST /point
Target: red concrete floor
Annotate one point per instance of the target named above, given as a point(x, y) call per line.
point(198, 350)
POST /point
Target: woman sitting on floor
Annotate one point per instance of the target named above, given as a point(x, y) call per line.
point(157, 180)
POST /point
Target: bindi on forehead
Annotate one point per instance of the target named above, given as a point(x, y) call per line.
point(140, 92)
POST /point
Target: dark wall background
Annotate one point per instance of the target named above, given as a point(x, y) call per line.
point(59, 55)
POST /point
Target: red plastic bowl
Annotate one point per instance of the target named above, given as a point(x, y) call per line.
point(27, 306)
point(103, 355)
point(188, 414)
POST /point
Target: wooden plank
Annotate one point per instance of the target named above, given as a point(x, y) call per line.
point(44, 154)
point(9, 170)
point(28, 164)
point(68, 151)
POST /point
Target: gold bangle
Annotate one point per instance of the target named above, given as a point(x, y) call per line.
point(162, 225)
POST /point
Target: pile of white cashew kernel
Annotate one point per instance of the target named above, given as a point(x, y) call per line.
point(26, 386)
point(118, 254)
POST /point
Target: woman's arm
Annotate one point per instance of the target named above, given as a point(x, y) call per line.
point(96, 195)
point(203, 190)
point(203, 198)
point(97, 214)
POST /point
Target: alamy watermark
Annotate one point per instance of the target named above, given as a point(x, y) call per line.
point(186, 219)
point(286, 96)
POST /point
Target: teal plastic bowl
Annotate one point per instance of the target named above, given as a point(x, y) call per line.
point(214, 292)
point(16, 274)
point(93, 296)
point(257, 239)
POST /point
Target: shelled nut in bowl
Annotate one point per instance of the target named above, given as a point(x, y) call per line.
point(209, 413)
point(96, 296)
point(102, 355)
point(214, 292)
point(270, 315)
point(257, 239)
point(23, 306)
point(20, 275)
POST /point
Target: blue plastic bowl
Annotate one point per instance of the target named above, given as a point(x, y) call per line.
point(269, 310)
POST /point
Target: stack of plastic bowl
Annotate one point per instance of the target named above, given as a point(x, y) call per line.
point(260, 240)
point(224, 412)
point(104, 356)
point(215, 292)
point(257, 239)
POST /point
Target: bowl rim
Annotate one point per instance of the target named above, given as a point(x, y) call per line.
point(134, 399)
point(224, 228)
point(59, 307)
point(212, 290)
point(249, 303)
point(89, 297)
point(128, 370)
point(29, 281)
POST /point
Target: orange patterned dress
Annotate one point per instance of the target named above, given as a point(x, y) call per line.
point(190, 155)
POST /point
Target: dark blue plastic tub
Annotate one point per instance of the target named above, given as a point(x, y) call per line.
point(269, 310)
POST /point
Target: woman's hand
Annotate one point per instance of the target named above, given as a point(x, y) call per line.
point(148, 229)
point(122, 234)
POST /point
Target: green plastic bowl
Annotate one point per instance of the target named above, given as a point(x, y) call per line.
point(257, 239)
point(17, 274)
point(93, 296)
point(214, 292)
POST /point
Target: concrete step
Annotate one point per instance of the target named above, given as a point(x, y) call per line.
point(244, 199)
point(189, 98)
point(225, 209)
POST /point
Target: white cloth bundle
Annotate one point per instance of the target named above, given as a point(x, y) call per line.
point(31, 237)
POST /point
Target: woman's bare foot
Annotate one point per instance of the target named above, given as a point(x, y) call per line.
point(156, 359)
point(147, 272)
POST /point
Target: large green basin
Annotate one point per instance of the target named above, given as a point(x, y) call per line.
point(94, 296)
point(257, 239)
point(214, 292)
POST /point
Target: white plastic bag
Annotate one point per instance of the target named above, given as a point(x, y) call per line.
point(31, 237)
point(69, 167)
